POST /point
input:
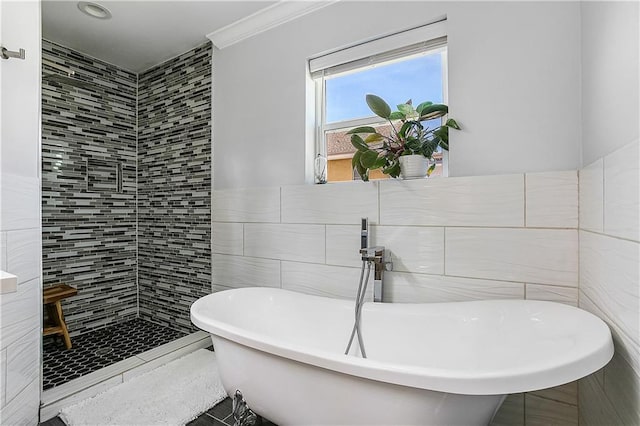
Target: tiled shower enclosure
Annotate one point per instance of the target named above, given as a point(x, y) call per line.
point(126, 185)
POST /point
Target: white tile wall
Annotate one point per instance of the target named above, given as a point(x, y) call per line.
point(343, 242)
point(622, 387)
point(413, 249)
point(238, 271)
point(18, 316)
point(246, 205)
point(462, 201)
point(23, 409)
point(609, 277)
point(3, 251)
point(342, 203)
point(323, 280)
point(20, 202)
point(552, 293)
point(552, 199)
point(609, 274)
point(23, 363)
point(451, 239)
point(595, 407)
point(622, 192)
point(227, 238)
point(591, 196)
point(545, 412)
point(302, 243)
point(403, 287)
point(511, 413)
point(544, 256)
point(567, 394)
point(23, 260)
point(3, 377)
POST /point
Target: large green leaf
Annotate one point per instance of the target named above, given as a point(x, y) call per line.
point(358, 143)
point(422, 106)
point(355, 160)
point(373, 138)
point(406, 109)
point(405, 127)
point(397, 115)
point(368, 159)
point(378, 106)
point(393, 169)
point(380, 162)
point(452, 123)
point(433, 111)
point(363, 129)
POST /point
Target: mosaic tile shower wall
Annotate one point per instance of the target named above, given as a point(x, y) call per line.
point(174, 187)
point(89, 188)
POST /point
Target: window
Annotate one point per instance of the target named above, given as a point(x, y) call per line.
point(391, 69)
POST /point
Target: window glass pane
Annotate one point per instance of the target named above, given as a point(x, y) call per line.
point(418, 78)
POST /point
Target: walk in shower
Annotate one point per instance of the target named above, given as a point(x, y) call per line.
point(126, 185)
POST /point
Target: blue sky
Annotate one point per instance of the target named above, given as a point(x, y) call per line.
point(419, 79)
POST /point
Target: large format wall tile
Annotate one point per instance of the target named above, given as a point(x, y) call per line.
point(239, 271)
point(302, 243)
point(343, 203)
point(412, 249)
point(552, 199)
point(174, 187)
point(552, 293)
point(247, 205)
point(20, 202)
point(541, 256)
point(17, 315)
point(20, 409)
point(227, 238)
point(622, 386)
point(595, 407)
point(622, 192)
point(545, 412)
point(401, 287)
point(609, 276)
point(24, 254)
point(323, 280)
point(591, 196)
point(462, 201)
point(23, 363)
point(343, 245)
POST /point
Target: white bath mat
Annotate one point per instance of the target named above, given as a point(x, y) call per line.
point(172, 394)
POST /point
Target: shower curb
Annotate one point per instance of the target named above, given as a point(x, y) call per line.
point(53, 400)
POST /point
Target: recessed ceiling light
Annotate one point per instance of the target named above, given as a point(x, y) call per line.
point(94, 10)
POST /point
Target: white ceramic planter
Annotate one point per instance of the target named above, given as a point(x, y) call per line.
point(413, 166)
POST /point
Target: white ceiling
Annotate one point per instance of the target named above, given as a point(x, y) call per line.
point(141, 33)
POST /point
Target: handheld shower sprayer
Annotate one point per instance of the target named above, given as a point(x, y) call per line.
point(364, 233)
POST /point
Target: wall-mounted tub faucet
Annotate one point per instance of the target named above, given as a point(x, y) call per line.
point(377, 256)
point(370, 255)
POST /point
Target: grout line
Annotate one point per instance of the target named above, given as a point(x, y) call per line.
point(524, 181)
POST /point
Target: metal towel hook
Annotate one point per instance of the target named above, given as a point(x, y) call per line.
point(6, 54)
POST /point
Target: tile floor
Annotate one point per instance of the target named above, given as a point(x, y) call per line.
point(220, 415)
point(95, 350)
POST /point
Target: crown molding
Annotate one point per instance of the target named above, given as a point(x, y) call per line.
point(264, 20)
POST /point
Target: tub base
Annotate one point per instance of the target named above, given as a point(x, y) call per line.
point(288, 392)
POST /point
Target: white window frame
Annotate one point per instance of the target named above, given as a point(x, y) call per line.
point(423, 40)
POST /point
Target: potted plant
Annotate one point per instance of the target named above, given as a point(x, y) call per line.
point(409, 136)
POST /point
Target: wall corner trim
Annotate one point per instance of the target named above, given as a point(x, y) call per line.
point(264, 20)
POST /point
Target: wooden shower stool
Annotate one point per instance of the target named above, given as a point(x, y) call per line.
point(51, 297)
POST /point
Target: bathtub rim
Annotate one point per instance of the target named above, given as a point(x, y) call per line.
point(442, 380)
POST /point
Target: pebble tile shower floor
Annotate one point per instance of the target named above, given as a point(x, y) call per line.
point(97, 349)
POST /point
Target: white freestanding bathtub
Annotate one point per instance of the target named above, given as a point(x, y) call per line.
point(428, 364)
